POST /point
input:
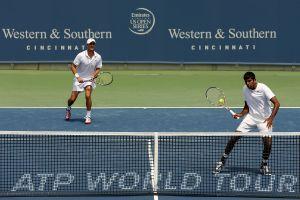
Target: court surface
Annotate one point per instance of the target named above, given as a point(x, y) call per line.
point(135, 120)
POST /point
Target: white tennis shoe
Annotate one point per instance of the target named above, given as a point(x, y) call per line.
point(219, 167)
point(68, 115)
point(265, 170)
point(88, 120)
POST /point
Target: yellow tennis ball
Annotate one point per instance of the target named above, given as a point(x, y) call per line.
point(221, 101)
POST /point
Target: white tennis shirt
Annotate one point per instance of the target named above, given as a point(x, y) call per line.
point(87, 65)
point(258, 101)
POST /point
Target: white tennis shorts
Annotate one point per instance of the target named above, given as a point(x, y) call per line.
point(79, 87)
point(249, 125)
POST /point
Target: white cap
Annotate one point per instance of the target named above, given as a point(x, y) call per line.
point(90, 40)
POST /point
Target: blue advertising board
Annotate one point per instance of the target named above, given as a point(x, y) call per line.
point(206, 31)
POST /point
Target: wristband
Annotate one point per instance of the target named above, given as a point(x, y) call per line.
point(76, 75)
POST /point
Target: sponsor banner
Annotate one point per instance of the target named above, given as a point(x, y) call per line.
point(208, 31)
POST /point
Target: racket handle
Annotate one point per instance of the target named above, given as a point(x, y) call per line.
point(233, 113)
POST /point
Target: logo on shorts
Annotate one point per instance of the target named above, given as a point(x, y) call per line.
point(142, 21)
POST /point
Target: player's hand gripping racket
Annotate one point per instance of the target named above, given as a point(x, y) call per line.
point(216, 97)
point(103, 79)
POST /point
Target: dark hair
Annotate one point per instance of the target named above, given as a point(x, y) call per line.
point(248, 75)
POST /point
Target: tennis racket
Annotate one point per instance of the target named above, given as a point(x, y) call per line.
point(216, 97)
point(103, 79)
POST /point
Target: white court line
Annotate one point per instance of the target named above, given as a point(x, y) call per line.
point(143, 134)
point(133, 107)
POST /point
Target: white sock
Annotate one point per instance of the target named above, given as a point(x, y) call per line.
point(264, 161)
point(68, 107)
point(225, 155)
point(88, 113)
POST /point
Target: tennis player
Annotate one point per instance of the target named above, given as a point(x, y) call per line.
point(258, 115)
point(85, 67)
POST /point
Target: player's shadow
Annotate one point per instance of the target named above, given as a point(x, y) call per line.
point(242, 169)
point(73, 120)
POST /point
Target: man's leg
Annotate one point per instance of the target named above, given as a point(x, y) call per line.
point(88, 102)
point(71, 100)
point(228, 149)
point(267, 140)
point(245, 126)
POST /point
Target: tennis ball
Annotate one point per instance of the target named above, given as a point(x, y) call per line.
point(221, 101)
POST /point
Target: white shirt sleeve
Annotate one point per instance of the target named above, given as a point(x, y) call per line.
point(99, 63)
point(77, 60)
point(268, 92)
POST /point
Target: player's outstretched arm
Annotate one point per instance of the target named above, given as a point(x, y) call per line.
point(243, 112)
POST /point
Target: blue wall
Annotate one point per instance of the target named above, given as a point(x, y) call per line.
point(271, 30)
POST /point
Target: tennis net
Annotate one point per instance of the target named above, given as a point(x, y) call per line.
point(145, 163)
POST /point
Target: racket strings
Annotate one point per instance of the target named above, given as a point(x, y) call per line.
point(216, 97)
point(104, 79)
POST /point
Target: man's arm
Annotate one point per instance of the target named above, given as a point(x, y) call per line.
point(96, 73)
point(244, 111)
point(276, 106)
point(74, 70)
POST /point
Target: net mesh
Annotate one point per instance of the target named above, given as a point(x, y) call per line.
point(62, 163)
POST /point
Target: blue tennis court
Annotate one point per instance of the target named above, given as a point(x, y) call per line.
point(140, 120)
point(136, 120)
